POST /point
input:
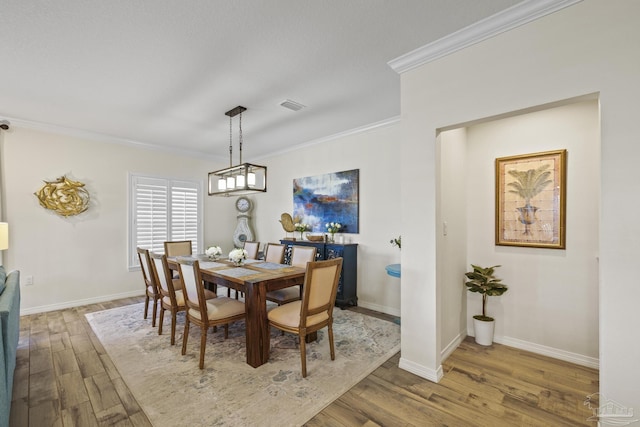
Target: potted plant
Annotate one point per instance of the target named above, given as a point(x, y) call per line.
point(483, 281)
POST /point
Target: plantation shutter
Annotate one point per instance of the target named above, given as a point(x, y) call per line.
point(151, 214)
point(162, 210)
point(184, 213)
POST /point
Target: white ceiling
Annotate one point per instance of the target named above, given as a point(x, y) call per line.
point(164, 72)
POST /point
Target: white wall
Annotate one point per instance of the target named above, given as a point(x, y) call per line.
point(553, 294)
point(84, 259)
point(583, 49)
point(376, 153)
point(452, 170)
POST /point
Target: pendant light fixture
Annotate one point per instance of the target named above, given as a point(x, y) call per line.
point(243, 178)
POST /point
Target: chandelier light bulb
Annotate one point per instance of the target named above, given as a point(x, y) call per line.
point(222, 184)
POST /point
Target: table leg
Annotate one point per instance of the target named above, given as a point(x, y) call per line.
point(257, 325)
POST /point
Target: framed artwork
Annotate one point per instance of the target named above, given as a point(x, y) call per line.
point(332, 197)
point(531, 200)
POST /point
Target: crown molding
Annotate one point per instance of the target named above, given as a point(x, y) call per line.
point(503, 21)
point(100, 137)
point(362, 129)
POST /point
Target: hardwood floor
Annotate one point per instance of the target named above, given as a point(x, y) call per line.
point(495, 386)
point(64, 377)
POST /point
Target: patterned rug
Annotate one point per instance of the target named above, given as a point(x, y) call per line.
point(173, 391)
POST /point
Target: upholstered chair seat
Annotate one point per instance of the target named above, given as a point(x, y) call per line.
point(288, 315)
point(219, 308)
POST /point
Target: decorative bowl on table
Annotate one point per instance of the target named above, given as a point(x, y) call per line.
point(315, 237)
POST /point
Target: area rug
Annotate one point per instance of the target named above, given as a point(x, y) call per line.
point(173, 391)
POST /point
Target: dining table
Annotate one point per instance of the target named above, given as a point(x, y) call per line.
point(254, 278)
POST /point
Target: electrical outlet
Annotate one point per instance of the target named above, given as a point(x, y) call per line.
point(28, 280)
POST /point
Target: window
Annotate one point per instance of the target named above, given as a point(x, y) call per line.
point(161, 210)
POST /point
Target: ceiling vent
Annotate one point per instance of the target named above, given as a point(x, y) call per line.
point(292, 105)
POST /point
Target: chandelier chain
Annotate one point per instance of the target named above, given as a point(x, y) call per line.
point(230, 141)
point(240, 137)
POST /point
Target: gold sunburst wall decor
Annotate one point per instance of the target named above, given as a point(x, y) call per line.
point(64, 196)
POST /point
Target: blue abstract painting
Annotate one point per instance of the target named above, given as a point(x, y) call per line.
point(331, 197)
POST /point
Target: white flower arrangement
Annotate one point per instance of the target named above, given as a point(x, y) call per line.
point(238, 255)
point(333, 227)
point(301, 226)
point(213, 252)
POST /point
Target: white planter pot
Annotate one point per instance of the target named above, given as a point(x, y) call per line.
point(484, 331)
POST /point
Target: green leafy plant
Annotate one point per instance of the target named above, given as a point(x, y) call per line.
point(333, 227)
point(529, 183)
point(483, 281)
point(396, 242)
point(300, 226)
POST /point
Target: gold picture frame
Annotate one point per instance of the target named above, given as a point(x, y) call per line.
point(531, 200)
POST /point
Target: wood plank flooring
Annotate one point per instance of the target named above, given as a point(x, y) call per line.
point(64, 377)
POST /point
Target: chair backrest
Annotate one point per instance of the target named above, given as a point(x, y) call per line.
point(145, 267)
point(178, 248)
point(301, 255)
point(193, 288)
point(275, 253)
point(320, 288)
point(163, 276)
point(252, 249)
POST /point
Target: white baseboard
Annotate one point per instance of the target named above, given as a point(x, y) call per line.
point(421, 371)
point(380, 308)
point(77, 303)
point(556, 353)
point(450, 348)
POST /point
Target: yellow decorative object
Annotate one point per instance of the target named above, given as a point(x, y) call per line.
point(64, 196)
point(287, 223)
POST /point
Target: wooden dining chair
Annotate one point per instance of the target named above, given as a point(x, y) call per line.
point(252, 249)
point(171, 292)
point(202, 312)
point(151, 288)
point(274, 252)
point(315, 310)
point(178, 248)
point(300, 256)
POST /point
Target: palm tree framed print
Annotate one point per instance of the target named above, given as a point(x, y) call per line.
point(531, 200)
